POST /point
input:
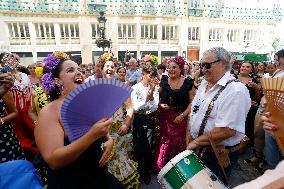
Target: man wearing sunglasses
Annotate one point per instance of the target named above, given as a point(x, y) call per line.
point(218, 113)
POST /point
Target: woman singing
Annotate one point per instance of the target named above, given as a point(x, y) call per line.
point(80, 164)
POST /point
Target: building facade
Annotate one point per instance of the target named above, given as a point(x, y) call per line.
point(160, 27)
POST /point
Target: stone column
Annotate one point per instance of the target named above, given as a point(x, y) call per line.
point(204, 29)
point(159, 37)
point(138, 38)
point(85, 31)
point(33, 40)
point(57, 34)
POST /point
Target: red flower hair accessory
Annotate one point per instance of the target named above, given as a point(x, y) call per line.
point(180, 61)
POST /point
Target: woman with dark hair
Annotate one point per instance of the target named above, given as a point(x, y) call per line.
point(121, 74)
point(176, 94)
point(80, 164)
point(246, 76)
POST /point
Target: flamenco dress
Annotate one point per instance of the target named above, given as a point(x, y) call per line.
point(171, 137)
point(24, 126)
point(120, 163)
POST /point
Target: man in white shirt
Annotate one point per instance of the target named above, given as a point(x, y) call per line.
point(218, 111)
point(145, 100)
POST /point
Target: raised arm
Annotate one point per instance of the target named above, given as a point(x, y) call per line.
point(49, 135)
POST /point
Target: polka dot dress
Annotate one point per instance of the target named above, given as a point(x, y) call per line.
point(9, 144)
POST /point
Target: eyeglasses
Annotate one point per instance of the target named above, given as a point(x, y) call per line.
point(207, 65)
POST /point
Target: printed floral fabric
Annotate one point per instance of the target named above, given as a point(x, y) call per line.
point(41, 99)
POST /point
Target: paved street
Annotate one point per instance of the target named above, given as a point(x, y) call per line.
point(242, 173)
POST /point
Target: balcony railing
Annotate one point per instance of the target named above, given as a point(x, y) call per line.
point(193, 42)
point(149, 41)
point(73, 40)
point(170, 41)
point(127, 40)
point(45, 41)
point(20, 41)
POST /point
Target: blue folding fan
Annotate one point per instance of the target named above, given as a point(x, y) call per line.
point(90, 102)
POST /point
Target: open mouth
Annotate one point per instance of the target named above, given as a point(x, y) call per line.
point(109, 72)
point(79, 81)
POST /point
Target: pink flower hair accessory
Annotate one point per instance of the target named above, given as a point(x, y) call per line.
point(180, 61)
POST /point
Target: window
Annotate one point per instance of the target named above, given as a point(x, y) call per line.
point(193, 33)
point(69, 31)
point(95, 31)
point(233, 35)
point(44, 31)
point(169, 32)
point(126, 31)
point(215, 34)
point(148, 31)
point(18, 30)
point(250, 35)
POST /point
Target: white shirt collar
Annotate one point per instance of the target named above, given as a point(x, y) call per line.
point(223, 81)
point(226, 77)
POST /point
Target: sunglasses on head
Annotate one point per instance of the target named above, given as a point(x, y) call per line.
point(207, 65)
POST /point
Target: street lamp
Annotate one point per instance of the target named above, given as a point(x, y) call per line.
point(102, 25)
point(101, 42)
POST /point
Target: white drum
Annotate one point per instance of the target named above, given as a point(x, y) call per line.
point(186, 171)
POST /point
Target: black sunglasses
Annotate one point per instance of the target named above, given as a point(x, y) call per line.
point(207, 65)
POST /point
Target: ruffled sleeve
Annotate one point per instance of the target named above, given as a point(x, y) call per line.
point(188, 84)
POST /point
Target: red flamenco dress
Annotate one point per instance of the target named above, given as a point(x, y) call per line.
point(23, 125)
point(171, 137)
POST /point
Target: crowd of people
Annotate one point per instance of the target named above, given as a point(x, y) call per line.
point(211, 108)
